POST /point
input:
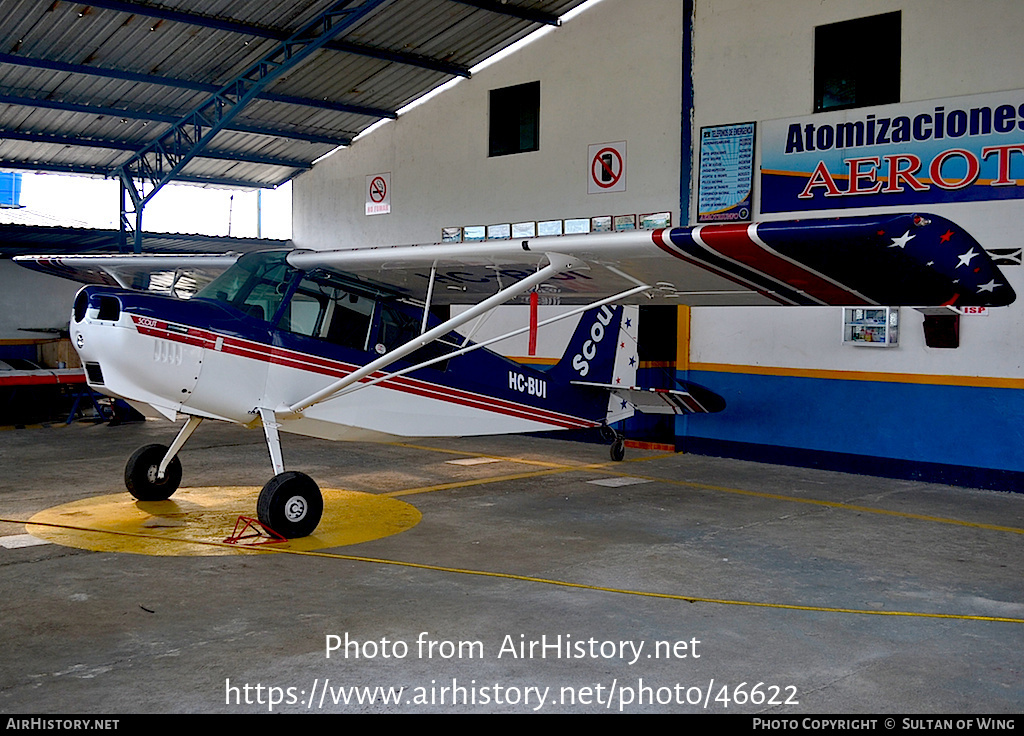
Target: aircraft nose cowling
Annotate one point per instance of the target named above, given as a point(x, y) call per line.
point(96, 303)
point(125, 348)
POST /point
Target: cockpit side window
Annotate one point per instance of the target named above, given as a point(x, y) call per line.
point(350, 320)
point(305, 313)
point(330, 313)
point(397, 327)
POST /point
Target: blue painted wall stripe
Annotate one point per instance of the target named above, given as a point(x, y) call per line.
point(951, 425)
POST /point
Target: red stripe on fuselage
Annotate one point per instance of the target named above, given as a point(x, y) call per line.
point(337, 369)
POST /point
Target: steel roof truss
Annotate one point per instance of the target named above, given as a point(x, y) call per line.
point(278, 34)
point(105, 172)
point(121, 112)
point(504, 8)
point(223, 155)
point(141, 78)
point(164, 158)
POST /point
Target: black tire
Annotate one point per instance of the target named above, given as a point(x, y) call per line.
point(618, 450)
point(290, 504)
point(140, 474)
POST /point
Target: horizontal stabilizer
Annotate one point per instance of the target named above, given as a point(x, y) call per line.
point(694, 399)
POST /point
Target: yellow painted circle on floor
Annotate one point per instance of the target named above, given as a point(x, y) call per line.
point(196, 521)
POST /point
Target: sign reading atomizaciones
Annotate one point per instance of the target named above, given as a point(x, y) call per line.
point(952, 150)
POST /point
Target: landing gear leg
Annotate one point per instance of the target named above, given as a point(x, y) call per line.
point(618, 449)
point(153, 472)
point(290, 503)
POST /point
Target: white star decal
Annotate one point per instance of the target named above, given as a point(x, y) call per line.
point(989, 286)
point(966, 258)
point(901, 242)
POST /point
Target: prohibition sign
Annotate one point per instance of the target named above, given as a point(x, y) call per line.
point(378, 189)
point(603, 168)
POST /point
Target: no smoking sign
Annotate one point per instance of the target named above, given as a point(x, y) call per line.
point(607, 167)
point(378, 194)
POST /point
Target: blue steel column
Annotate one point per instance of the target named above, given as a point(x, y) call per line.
point(682, 373)
point(129, 222)
point(686, 132)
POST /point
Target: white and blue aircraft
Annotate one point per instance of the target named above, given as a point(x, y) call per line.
point(343, 344)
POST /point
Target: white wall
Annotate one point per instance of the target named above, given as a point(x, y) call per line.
point(21, 305)
point(754, 61)
point(613, 73)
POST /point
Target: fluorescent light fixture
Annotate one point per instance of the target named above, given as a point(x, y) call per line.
point(504, 53)
point(428, 96)
point(530, 38)
point(338, 148)
point(581, 8)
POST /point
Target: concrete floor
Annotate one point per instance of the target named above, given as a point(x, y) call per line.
point(784, 581)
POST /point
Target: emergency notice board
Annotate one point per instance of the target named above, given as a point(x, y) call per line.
point(726, 185)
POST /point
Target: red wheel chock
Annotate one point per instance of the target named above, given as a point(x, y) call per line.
point(247, 528)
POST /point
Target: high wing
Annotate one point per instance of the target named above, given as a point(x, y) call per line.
point(179, 275)
point(918, 260)
point(893, 260)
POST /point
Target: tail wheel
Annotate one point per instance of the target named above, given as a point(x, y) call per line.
point(618, 450)
point(140, 474)
point(290, 504)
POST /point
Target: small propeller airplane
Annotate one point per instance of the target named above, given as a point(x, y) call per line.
point(344, 345)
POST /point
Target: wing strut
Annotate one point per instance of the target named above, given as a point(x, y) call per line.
point(492, 340)
point(430, 296)
point(557, 263)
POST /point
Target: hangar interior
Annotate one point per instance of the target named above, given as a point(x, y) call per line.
point(471, 144)
point(872, 410)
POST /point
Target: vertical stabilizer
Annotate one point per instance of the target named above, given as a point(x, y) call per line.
point(603, 351)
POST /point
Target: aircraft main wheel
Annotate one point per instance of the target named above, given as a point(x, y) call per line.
point(618, 450)
point(140, 474)
point(290, 504)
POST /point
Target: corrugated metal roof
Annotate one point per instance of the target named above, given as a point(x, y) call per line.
point(85, 86)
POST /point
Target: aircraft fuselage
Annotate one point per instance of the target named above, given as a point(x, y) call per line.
point(205, 358)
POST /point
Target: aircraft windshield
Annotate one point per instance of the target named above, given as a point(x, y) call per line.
point(321, 305)
point(256, 284)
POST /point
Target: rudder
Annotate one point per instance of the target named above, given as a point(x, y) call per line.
point(603, 350)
